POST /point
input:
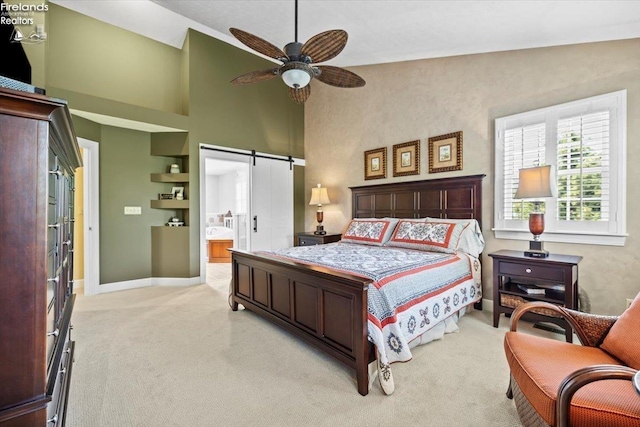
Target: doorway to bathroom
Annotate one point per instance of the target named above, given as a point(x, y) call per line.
point(246, 203)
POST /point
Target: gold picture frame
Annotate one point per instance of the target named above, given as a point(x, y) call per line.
point(406, 158)
point(445, 152)
point(375, 163)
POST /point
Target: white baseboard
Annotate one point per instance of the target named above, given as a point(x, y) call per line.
point(149, 281)
point(176, 281)
point(78, 286)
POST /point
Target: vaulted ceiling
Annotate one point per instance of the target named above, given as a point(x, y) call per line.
point(380, 31)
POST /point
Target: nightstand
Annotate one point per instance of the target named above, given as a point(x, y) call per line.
point(518, 279)
point(308, 239)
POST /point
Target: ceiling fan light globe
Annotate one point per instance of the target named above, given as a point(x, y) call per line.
point(296, 78)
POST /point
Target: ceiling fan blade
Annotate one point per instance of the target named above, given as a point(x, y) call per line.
point(255, 76)
point(324, 46)
point(300, 95)
point(339, 77)
point(258, 44)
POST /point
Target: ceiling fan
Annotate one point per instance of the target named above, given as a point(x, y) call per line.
point(298, 61)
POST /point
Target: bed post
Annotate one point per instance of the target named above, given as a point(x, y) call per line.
point(233, 286)
point(363, 346)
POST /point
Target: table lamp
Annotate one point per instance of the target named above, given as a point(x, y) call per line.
point(535, 183)
point(319, 197)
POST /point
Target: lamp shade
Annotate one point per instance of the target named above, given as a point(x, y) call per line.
point(535, 183)
point(319, 196)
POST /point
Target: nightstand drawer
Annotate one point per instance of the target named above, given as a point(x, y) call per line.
point(535, 271)
point(308, 241)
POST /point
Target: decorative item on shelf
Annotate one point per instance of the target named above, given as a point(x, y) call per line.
point(535, 183)
point(531, 289)
point(445, 152)
point(175, 168)
point(174, 221)
point(319, 197)
point(165, 196)
point(375, 163)
point(406, 158)
point(178, 193)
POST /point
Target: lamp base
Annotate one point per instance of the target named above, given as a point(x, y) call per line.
point(320, 230)
point(536, 250)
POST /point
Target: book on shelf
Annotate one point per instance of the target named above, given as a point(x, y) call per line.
point(531, 289)
point(552, 287)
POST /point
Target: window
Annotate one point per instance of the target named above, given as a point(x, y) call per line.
point(585, 143)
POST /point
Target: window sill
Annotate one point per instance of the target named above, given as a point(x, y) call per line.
point(560, 237)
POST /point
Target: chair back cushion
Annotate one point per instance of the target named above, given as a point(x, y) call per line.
point(623, 339)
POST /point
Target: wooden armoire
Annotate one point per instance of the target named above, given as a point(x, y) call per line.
point(38, 157)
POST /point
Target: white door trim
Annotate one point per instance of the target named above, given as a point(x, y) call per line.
point(210, 154)
point(91, 206)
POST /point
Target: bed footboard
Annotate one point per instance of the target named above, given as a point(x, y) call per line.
point(326, 309)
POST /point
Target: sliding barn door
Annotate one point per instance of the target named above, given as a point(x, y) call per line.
point(271, 205)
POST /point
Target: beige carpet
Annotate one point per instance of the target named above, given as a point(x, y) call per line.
point(178, 356)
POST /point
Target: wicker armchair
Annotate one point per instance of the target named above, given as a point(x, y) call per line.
point(559, 384)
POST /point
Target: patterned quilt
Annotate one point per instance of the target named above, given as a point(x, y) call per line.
point(412, 290)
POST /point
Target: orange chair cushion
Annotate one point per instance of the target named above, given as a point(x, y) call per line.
point(539, 365)
point(623, 339)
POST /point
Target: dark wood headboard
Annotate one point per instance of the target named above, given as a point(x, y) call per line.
point(458, 197)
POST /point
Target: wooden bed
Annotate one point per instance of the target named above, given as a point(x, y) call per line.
point(326, 308)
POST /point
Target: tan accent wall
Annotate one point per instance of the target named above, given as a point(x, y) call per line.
point(419, 99)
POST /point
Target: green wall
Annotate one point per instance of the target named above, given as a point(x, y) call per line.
point(117, 73)
point(125, 240)
point(258, 117)
point(98, 59)
point(87, 129)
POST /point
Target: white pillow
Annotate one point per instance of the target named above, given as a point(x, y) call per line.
point(471, 240)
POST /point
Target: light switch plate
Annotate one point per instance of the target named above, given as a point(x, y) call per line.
point(133, 210)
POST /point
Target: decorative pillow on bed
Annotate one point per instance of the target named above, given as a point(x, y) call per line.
point(427, 236)
point(371, 231)
point(471, 240)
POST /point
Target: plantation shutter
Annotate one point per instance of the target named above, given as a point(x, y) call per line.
point(524, 147)
point(583, 168)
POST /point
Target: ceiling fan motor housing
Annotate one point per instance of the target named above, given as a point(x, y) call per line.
point(294, 52)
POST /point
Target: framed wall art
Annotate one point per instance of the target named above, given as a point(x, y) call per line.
point(375, 163)
point(445, 152)
point(406, 158)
